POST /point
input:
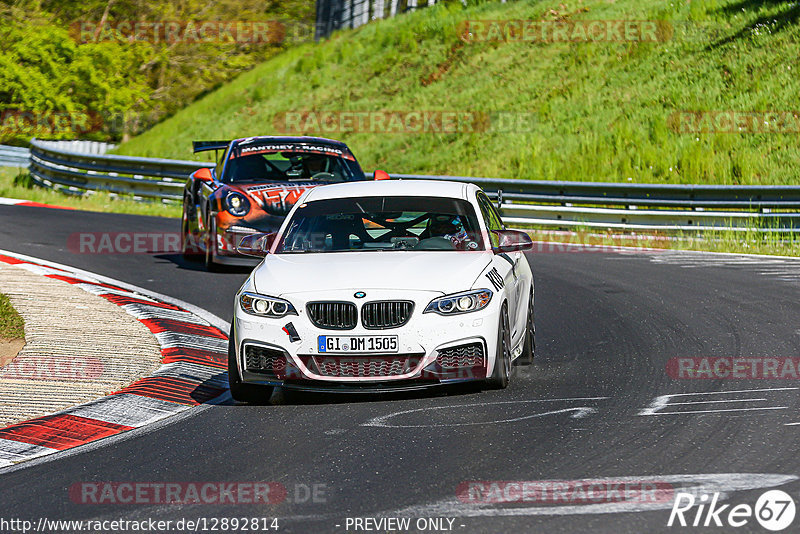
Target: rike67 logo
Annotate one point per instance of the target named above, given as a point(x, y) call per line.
point(774, 510)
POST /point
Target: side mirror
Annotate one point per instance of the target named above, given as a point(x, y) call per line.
point(381, 175)
point(203, 174)
point(256, 244)
point(512, 240)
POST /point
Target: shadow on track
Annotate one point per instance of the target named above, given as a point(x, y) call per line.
point(197, 265)
point(291, 397)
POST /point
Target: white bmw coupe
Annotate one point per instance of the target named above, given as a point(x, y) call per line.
point(386, 285)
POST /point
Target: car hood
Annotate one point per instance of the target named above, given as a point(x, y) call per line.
point(441, 271)
point(274, 198)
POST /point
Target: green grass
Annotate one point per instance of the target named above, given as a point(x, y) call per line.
point(12, 325)
point(602, 110)
point(15, 183)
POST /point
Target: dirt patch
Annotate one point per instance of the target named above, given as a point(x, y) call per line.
point(9, 348)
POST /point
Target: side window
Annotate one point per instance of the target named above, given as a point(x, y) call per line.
point(490, 217)
point(497, 222)
point(226, 154)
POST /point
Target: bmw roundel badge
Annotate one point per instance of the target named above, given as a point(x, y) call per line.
point(359, 294)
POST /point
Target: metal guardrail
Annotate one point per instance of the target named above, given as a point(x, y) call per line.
point(552, 204)
point(668, 207)
point(81, 147)
point(14, 156)
point(75, 172)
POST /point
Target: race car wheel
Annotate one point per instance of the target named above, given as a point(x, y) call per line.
point(211, 247)
point(188, 248)
point(529, 347)
point(501, 372)
point(249, 393)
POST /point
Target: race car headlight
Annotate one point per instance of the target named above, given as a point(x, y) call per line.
point(266, 306)
point(237, 204)
point(468, 301)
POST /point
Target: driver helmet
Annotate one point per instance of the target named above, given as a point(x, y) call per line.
point(315, 163)
point(449, 227)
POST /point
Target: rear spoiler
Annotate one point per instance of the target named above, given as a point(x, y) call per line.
point(202, 146)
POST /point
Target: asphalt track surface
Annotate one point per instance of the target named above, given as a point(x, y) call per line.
point(607, 324)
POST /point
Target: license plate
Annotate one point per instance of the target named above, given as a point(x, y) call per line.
point(362, 344)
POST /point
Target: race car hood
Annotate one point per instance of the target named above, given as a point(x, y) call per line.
point(274, 198)
point(440, 271)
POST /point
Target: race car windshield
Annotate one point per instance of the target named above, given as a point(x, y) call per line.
point(382, 223)
point(288, 166)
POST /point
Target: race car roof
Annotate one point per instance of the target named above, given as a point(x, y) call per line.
point(201, 146)
point(290, 139)
point(411, 188)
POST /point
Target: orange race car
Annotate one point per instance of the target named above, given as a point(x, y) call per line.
point(252, 187)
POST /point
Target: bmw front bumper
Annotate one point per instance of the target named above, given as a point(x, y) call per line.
point(431, 349)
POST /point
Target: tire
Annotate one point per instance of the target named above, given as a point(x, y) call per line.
point(529, 347)
point(211, 247)
point(249, 393)
point(188, 251)
point(501, 371)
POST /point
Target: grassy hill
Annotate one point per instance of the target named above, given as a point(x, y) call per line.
point(602, 110)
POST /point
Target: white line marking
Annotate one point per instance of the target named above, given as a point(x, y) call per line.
point(11, 201)
point(581, 411)
point(44, 271)
point(95, 289)
point(12, 451)
point(143, 311)
point(193, 372)
point(732, 391)
point(690, 412)
point(663, 401)
point(194, 341)
point(128, 410)
point(716, 401)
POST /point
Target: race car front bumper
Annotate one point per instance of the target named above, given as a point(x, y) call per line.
point(430, 350)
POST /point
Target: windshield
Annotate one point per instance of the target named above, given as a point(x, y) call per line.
point(294, 163)
point(382, 223)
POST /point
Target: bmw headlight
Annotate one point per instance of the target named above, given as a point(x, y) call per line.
point(237, 204)
point(468, 301)
point(264, 306)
